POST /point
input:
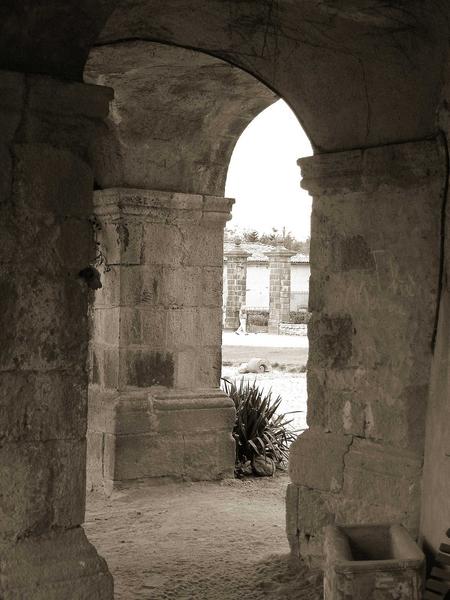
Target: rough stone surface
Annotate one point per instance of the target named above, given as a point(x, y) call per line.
point(279, 287)
point(370, 334)
point(372, 562)
point(46, 240)
point(363, 76)
point(188, 107)
point(236, 285)
point(156, 327)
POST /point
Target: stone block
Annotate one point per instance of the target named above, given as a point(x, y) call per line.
point(164, 244)
point(94, 464)
point(180, 286)
point(106, 323)
point(61, 564)
point(315, 511)
point(186, 417)
point(42, 486)
point(108, 296)
point(209, 456)
point(211, 287)
point(34, 312)
point(209, 367)
point(209, 331)
point(146, 368)
point(292, 518)
point(142, 286)
point(41, 406)
point(316, 459)
point(154, 326)
point(331, 340)
point(52, 180)
point(182, 328)
point(142, 456)
point(186, 369)
point(372, 563)
point(381, 483)
point(121, 242)
point(204, 247)
point(109, 367)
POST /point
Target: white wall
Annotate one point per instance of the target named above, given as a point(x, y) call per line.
point(258, 285)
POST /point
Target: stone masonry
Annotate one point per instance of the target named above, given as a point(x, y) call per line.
point(155, 407)
point(370, 339)
point(45, 241)
point(279, 287)
point(236, 284)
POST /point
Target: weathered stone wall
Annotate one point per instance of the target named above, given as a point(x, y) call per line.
point(279, 287)
point(236, 285)
point(375, 271)
point(45, 240)
point(436, 482)
point(155, 408)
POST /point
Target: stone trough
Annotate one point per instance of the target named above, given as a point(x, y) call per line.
point(372, 562)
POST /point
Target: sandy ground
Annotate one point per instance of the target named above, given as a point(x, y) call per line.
point(289, 350)
point(211, 541)
point(200, 541)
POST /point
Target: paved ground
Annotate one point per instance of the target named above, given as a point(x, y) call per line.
point(200, 541)
point(289, 350)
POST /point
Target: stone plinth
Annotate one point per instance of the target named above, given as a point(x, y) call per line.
point(279, 287)
point(372, 562)
point(45, 241)
point(155, 408)
point(373, 302)
point(236, 284)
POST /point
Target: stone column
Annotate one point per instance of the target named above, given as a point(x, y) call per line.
point(46, 239)
point(155, 407)
point(236, 284)
point(279, 287)
point(375, 247)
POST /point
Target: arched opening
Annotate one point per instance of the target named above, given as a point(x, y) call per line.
point(367, 79)
point(156, 411)
point(269, 232)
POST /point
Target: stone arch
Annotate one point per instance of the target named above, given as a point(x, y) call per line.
point(366, 77)
point(175, 118)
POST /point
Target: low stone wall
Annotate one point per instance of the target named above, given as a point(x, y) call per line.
point(293, 329)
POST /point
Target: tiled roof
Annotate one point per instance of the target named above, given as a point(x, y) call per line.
point(257, 251)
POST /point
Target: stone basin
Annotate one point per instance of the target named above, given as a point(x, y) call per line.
point(372, 562)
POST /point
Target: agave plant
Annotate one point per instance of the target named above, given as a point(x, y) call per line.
point(259, 431)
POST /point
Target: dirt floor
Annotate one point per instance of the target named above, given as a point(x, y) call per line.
point(200, 541)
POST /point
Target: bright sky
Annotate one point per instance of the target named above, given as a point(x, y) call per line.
point(264, 177)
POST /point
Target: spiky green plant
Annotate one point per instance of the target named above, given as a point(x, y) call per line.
point(258, 429)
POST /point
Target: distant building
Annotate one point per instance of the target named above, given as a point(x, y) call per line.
point(257, 286)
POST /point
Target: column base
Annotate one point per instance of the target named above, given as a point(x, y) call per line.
point(58, 565)
point(136, 436)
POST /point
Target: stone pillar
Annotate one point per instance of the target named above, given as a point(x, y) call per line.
point(155, 407)
point(375, 247)
point(236, 284)
point(46, 239)
point(279, 287)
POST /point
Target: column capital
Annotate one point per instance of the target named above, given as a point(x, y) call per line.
point(392, 166)
point(161, 206)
